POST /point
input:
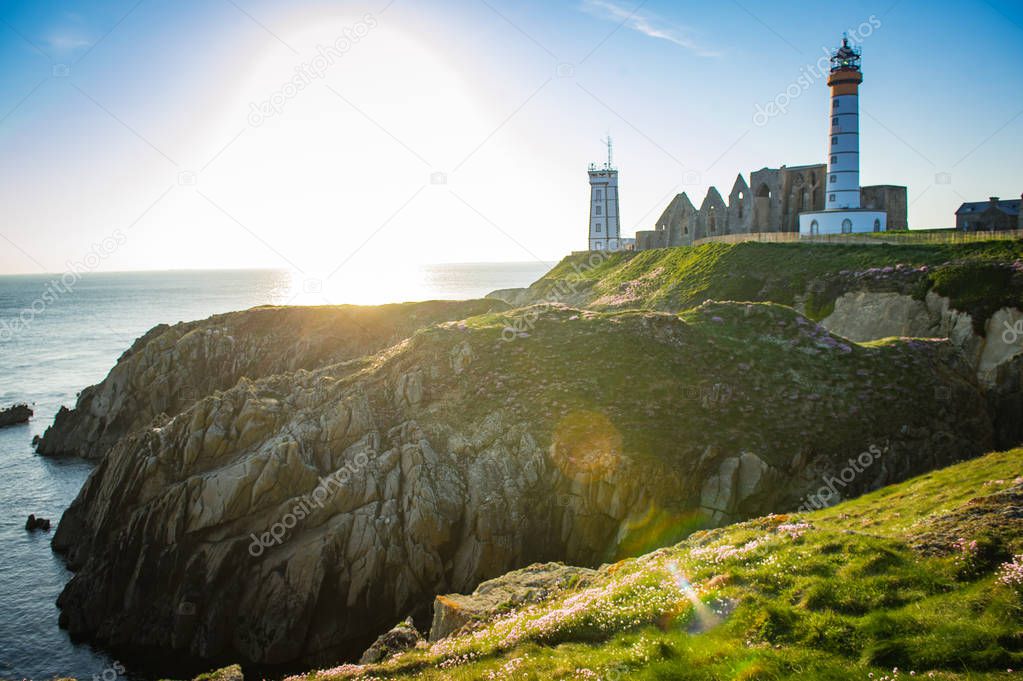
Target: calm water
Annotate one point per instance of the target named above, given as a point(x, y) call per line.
point(71, 342)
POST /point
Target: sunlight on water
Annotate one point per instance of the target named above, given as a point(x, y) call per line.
point(391, 283)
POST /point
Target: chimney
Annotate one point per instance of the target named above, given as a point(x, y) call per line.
point(994, 202)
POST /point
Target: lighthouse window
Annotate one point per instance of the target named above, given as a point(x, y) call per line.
point(598, 196)
point(836, 103)
point(599, 209)
point(597, 229)
point(834, 160)
point(834, 140)
point(834, 178)
point(831, 197)
point(834, 121)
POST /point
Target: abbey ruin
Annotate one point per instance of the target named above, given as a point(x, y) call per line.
point(777, 197)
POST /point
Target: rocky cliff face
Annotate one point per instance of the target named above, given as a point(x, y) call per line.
point(296, 516)
point(865, 316)
point(171, 367)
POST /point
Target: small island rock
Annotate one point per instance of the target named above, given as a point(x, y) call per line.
point(18, 414)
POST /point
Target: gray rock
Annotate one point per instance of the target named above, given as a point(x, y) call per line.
point(33, 523)
point(16, 415)
point(531, 584)
point(399, 639)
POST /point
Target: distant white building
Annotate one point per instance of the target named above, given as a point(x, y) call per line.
point(605, 225)
point(842, 211)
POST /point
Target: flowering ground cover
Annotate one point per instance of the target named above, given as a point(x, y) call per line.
point(873, 588)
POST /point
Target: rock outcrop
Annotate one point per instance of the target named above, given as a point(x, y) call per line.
point(400, 638)
point(515, 297)
point(171, 367)
point(33, 523)
point(532, 584)
point(866, 316)
point(16, 415)
point(297, 516)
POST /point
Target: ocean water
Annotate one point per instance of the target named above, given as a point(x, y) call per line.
point(53, 344)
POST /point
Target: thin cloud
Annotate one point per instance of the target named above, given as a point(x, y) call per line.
point(66, 41)
point(647, 24)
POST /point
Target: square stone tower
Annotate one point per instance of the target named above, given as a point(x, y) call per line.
point(605, 227)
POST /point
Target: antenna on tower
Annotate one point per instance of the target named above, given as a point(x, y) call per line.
point(610, 151)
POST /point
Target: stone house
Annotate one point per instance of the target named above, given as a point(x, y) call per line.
point(993, 215)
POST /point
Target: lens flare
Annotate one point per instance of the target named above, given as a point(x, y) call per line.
point(705, 617)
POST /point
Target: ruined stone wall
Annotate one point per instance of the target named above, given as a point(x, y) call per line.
point(888, 198)
point(770, 202)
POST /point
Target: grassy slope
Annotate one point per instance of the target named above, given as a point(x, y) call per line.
point(679, 278)
point(866, 586)
point(770, 362)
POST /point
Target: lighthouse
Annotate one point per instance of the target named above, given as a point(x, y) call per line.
point(605, 228)
point(842, 212)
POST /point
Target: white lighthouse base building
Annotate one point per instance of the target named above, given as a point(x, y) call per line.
point(849, 221)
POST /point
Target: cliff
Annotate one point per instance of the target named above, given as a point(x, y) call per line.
point(294, 517)
point(171, 367)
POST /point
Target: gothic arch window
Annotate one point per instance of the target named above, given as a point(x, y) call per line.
point(815, 227)
point(846, 226)
point(877, 225)
point(742, 200)
point(712, 221)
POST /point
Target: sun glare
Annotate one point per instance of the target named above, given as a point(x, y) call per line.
point(363, 140)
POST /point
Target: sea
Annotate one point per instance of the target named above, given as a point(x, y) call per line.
point(56, 339)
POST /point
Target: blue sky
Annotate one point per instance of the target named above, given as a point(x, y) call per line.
point(131, 121)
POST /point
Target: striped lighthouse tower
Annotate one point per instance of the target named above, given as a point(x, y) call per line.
point(842, 213)
point(844, 144)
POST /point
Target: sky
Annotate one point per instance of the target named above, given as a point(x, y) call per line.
point(371, 136)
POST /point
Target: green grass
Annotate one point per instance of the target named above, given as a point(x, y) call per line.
point(840, 593)
point(679, 278)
